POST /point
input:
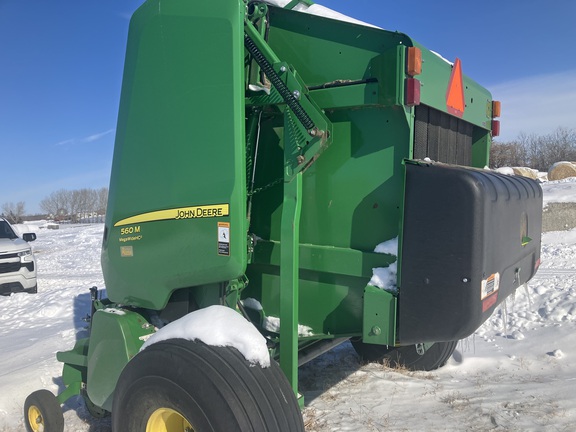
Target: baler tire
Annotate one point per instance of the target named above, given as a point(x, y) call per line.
point(42, 412)
point(202, 388)
point(94, 410)
point(406, 356)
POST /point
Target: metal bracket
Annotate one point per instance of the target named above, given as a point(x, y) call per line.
point(309, 130)
point(421, 348)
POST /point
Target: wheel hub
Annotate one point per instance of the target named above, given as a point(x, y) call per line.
point(35, 419)
point(168, 420)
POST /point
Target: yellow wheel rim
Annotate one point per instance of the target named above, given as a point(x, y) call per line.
point(168, 420)
point(35, 419)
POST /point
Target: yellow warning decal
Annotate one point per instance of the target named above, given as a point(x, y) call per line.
point(192, 212)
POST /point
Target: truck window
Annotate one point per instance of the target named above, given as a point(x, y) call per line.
point(6, 231)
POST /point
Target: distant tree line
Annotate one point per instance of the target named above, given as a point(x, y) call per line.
point(14, 213)
point(535, 151)
point(76, 205)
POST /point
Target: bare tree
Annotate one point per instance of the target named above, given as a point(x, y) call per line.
point(84, 203)
point(57, 204)
point(511, 154)
point(102, 201)
point(14, 213)
point(545, 150)
point(535, 151)
point(76, 205)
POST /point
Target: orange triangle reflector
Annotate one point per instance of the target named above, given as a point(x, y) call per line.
point(455, 93)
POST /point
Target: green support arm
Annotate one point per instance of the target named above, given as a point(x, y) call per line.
point(307, 133)
point(309, 127)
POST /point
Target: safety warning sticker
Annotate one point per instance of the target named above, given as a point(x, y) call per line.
point(490, 285)
point(224, 238)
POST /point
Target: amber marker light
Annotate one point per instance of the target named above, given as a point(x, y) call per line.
point(496, 109)
point(414, 63)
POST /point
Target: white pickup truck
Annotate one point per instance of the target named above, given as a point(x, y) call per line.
point(17, 263)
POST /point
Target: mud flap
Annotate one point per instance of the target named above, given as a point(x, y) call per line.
point(470, 238)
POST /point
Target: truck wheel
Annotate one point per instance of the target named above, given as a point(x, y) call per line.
point(410, 356)
point(42, 412)
point(180, 385)
point(33, 290)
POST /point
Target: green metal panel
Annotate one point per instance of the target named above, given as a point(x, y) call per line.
point(332, 282)
point(351, 202)
point(434, 81)
point(379, 318)
point(481, 148)
point(116, 336)
point(351, 194)
point(178, 175)
point(325, 259)
point(330, 304)
point(348, 96)
point(324, 50)
point(74, 371)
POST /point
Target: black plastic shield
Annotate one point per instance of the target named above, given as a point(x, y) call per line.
point(470, 238)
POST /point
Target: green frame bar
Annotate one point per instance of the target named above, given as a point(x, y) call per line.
point(289, 279)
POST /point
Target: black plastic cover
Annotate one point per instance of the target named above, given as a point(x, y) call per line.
point(470, 238)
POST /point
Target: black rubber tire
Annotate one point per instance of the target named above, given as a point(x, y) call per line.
point(33, 290)
point(406, 356)
point(213, 388)
point(93, 410)
point(45, 404)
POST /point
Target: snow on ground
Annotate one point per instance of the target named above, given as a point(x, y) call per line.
point(34, 326)
point(516, 373)
point(559, 191)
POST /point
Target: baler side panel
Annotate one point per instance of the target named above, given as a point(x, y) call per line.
point(178, 179)
point(352, 194)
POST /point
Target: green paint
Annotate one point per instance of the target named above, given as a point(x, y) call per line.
point(325, 148)
point(115, 338)
point(379, 320)
point(180, 128)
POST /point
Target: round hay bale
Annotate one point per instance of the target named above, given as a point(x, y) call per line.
point(561, 170)
point(525, 172)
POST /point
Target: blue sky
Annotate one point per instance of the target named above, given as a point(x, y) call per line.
point(61, 68)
